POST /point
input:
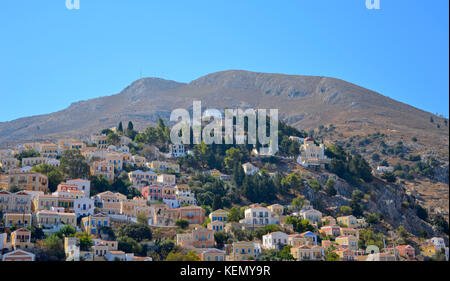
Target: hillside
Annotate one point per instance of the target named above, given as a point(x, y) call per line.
point(330, 109)
point(303, 101)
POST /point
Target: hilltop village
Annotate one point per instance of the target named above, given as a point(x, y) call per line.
point(124, 195)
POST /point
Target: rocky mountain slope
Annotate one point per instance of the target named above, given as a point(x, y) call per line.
point(303, 101)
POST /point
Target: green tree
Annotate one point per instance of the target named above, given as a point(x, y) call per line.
point(136, 231)
point(346, 210)
point(191, 256)
point(329, 187)
point(54, 175)
point(330, 255)
point(221, 238)
point(314, 184)
point(298, 202)
point(74, 165)
point(85, 240)
point(53, 245)
point(130, 245)
point(67, 230)
point(142, 219)
point(113, 139)
point(120, 128)
point(234, 215)
point(233, 157)
point(182, 223)
point(130, 126)
point(26, 154)
point(292, 182)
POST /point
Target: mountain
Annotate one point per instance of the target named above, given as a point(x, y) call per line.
point(305, 102)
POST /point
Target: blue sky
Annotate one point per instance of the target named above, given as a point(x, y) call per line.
point(51, 56)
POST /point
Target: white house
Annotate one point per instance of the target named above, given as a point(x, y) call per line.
point(258, 216)
point(54, 162)
point(83, 206)
point(118, 256)
point(166, 179)
point(438, 242)
point(250, 169)
point(172, 203)
point(275, 240)
point(382, 169)
point(311, 214)
point(83, 185)
point(176, 150)
point(312, 154)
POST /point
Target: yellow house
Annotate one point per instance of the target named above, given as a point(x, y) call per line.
point(345, 254)
point(21, 239)
point(296, 240)
point(350, 242)
point(100, 141)
point(48, 150)
point(31, 161)
point(132, 207)
point(101, 247)
point(212, 255)
point(162, 166)
point(15, 202)
point(307, 253)
point(216, 226)
point(49, 219)
point(219, 215)
point(116, 160)
point(17, 219)
point(70, 144)
point(276, 209)
point(44, 202)
point(428, 250)
point(103, 168)
point(348, 221)
point(8, 163)
point(109, 202)
point(139, 161)
point(348, 231)
point(245, 250)
point(93, 224)
point(30, 181)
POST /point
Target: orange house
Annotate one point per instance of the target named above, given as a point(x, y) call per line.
point(193, 214)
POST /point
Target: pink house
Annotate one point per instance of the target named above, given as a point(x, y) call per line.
point(152, 192)
point(407, 251)
point(332, 230)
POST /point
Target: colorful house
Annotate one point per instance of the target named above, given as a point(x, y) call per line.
point(93, 224)
point(17, 219)
point(21, 239)
point(198, 238)
point(275, 240)
point(244, 250)
point(331, 230)
point(193, 214)
point(219, 215)
point(350, 242)
point(307, 253)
